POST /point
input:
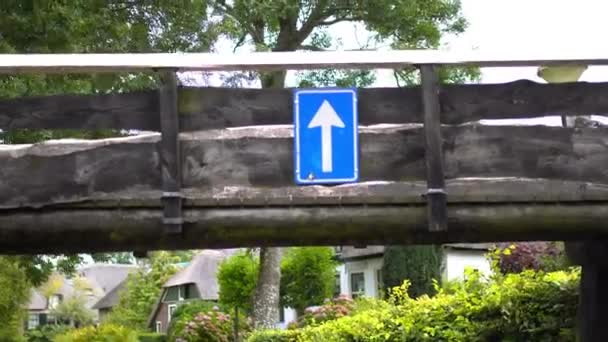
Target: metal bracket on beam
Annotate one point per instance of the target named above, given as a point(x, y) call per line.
point(170, 158)
point(436, 194)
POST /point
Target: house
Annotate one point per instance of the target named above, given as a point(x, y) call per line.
point(360, 269)
point(197, 281)
point(40, 306)
point(94, 281)
point(105, 280)
point(109, 301)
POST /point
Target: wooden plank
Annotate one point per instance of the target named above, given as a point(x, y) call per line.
point(170, 159)
point(462, 190)
point(206, 108)
point(436, 192)
point(82, 230)
point(264, 158)
point(291, 60)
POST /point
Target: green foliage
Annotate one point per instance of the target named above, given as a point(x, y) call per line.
point(529, 306)
point(142, 291)
point(74, 310)
point(212, 325)
point(152, 337)
point(185, 313)
point(274, 336)
point(538, 255)
point(307, 276)
point(421, 265)
point(103, 333)
point(46, 333)
point(237, 278)
point(14, 294)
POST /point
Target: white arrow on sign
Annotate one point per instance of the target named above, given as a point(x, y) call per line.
point(326, 118)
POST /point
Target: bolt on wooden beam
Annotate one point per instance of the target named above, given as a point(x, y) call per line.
point(169, 153)
point(436, 194)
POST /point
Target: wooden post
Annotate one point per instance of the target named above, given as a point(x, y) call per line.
point(169, 152)
point(436, 194)
point(592, 320)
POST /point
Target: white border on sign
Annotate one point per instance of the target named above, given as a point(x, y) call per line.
point(296, 129)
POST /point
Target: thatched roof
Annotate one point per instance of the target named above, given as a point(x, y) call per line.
point(202, 272)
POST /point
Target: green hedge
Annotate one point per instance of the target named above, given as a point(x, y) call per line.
point(152, 337)
point(103, 333)
point(530, 306)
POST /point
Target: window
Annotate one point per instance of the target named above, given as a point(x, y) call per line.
point(190, 292)
point(379, 283)
point(182, 292)
point(33, 321)
point(357, 284)
point(170, 310)
point(158, 327)
point(337, 285)
point(172, 294)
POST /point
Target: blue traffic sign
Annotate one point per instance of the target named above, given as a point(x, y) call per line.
point(325, 136)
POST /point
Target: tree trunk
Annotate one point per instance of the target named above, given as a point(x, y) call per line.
point(266, 299)
point(236, 324)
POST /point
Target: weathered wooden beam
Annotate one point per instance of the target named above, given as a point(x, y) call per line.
point(171, 162)
point(54, 170)
point(436, 192)
point(463, 191)
point(287, 60)
point(206, 108)
point(80, 230)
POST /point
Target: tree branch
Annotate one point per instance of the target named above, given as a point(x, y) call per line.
point(338, 20)
point(311, 48)
point(317, 15)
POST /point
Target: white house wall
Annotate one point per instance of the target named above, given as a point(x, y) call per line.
point(458, 259)
point(368, 267)
point(455, 261)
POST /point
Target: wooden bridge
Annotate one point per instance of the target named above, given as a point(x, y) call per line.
point(213, 167)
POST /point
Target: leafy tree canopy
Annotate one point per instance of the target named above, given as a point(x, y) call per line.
point(307, 276)
point(237, 278)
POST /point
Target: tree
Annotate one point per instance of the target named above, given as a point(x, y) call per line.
point(142, 290)
point(14, 293)
point(308, 277)
point(237, 278)
point(420, 264)
point(73, 309)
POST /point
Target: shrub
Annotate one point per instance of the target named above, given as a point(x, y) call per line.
point(538, 255)
point(330, 310)
point(529, 306)
point(103, 333)
point(274, 336)
point(213, 325)
point(152, 337)
point(45, 333)
point(185, 313)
